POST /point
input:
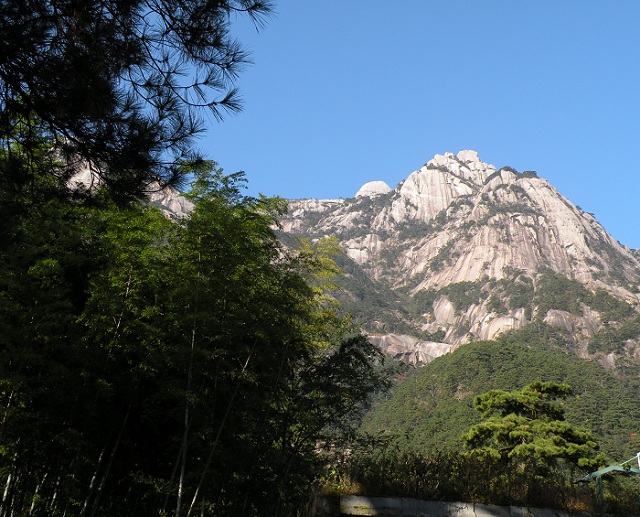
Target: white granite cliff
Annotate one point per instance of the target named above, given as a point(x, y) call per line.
point(458, 219)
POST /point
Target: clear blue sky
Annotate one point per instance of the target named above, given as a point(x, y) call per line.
point(343, 92)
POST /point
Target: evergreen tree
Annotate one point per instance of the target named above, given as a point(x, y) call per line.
point(525, 444)
point(119, 85)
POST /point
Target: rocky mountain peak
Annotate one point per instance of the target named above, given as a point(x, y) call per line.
point(465, 165)
point(461, 251)
point(438, 183)
point(460, 229)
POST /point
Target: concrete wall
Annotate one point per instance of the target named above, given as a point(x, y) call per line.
point(406, 507)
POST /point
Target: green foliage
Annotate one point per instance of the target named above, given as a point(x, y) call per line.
point(528, 426)
point(440, 219)
point(464, 294)
point(431, 409)
point(465, 200)
point(443, 257)
point(612, 308)
point(536, 334)
point(379, 466)
point(434, 167)
point(422, 302)
point(613, 265)
point(519, 191)
point(509, 208)
point(536, 464)
point(621, 496)
point(524, 436)
point(612, 338)
point(510, 293)
point(554, 291)
point(527, 174)
point(372, 306)
point(415, 230)
point(154, 367)
point(120, 85)
point(520, 292)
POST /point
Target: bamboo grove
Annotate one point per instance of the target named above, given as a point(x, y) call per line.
point(158, 367)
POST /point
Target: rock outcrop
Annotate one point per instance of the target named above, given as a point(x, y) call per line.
point(373, 188)
point(458, 220)
point(409, 349)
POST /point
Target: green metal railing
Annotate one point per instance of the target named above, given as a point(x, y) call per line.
point(621, 467)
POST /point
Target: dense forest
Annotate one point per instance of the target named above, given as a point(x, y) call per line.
point(433, 406)
point(152, 366)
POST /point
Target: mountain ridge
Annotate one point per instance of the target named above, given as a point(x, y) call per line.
point(459, 223)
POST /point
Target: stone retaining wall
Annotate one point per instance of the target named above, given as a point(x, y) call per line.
point(346, 505)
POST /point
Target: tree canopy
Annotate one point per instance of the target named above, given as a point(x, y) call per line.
point(529, 424)
point(524, 443)
point(120, 87)
point(151, 366)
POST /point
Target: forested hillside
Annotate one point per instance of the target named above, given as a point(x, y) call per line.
point(469, 426)
point(433, 407)
point(215, 357)
point(152, 366)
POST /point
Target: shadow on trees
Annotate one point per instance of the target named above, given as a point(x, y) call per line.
point(451, 476)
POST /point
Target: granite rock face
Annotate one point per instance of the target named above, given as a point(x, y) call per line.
point(373, 188)
point(171, 201)
point(459, 220)
point(409, 349)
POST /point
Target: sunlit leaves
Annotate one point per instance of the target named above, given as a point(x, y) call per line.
point(528, 424)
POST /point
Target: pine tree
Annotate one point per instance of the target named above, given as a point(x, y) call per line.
point(119, 86)
point(525, 445)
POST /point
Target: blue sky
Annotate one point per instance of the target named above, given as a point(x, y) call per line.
point(343, 92)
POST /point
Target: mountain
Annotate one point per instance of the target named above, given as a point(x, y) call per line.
point(461, 251)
